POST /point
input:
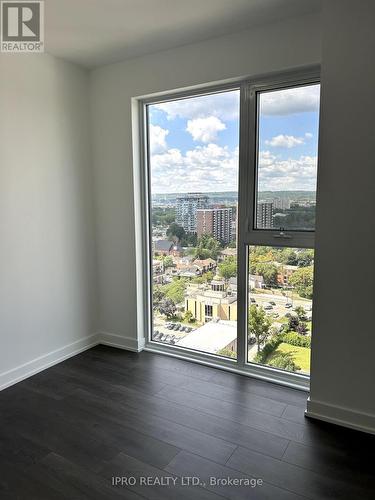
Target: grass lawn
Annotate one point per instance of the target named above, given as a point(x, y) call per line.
point(301, 355)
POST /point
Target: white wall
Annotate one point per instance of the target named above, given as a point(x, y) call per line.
point(268, 48)
point(343, 363)
point(47, 250)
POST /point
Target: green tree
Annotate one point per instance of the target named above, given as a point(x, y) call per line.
point(266, 269)
point(228, 268)
point(167, 307)
point(175, 231)
point(302, 281)
point(168, 262)
point(259, 325)
point(301, 313)
point(287, 256)
point(158, 295)
point(207, 247)
point(176, 290)
point(305, 258)
point(283, 360)
point(188, 316)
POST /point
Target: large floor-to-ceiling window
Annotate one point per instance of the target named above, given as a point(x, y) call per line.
point(231, 204)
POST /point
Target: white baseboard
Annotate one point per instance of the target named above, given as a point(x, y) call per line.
point(39, 364)
point(121, 342)
point(338, 415)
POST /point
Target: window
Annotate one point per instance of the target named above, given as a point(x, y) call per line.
point(208, 311)
point(193, 176)
point(232, 221)
point(280, 307)
point(282, 213)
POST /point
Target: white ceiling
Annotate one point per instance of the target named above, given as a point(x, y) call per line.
point(95, 32)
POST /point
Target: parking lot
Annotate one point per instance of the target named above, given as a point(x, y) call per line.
point(169, 332)
point(277, 305)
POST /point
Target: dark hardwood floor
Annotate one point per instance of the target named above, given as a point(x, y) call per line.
point(68, 431)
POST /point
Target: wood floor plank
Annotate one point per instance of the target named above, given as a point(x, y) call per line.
point(355, 466)
point(169, 432)
point(186, 464)
point(67, 430)
point(260, 387)
point(235, 413)
point(65, 478)
point(235, 396)
point(296, 479)
point(213, 425)
point(123, 465)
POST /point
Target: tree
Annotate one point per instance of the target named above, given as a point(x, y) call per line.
point(188, 316)
point(176, 231)
point(305, 258)
point(293, 322)
point(176, 290)
point(228, 268)
point(259, 324)
point(168, 262)
point(265, 269)
point(207, 247)
point(301, 313)
point(167, 307)
point(158, 295)
point(287, 256)
point(302, 281)
point(283, 360)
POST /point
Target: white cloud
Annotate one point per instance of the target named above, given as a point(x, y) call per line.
point(290, 101)
point(158, 141)
point(205, 168)
point(205, 129)
point(223, 105)
point(309, 135)
point(291, 174)
point(284, 141)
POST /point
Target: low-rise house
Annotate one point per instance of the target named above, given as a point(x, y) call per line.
point(284, 272)
point(256, 281)
point(205, 265)
point(227, 252)
point(167, 247)
point(190, 272)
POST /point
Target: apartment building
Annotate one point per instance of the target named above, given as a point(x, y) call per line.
point(186, 210)
point(216, 221)
point(265, 215)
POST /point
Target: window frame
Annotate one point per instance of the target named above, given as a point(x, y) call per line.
point(247, 234)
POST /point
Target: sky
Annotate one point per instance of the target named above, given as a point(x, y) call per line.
point(194, 142)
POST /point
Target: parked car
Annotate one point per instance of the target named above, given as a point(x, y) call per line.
point(288, 305)
point(188, 329)
point(252, 300)
point(272, 303)
point(267, 307)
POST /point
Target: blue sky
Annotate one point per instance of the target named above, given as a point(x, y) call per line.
point(194, 142)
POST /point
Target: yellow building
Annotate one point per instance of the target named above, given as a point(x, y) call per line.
point(206, 303)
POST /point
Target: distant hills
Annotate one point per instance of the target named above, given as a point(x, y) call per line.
point(232, 196)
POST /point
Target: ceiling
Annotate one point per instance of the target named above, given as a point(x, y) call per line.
point(96, 32)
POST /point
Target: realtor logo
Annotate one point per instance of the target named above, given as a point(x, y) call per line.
point(22, 26)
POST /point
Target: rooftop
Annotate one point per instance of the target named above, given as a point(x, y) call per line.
point(211, 337)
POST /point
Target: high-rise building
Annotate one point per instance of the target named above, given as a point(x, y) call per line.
point(264, 215)
point(216, 221)
point(186, 210)
point(281, 203)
